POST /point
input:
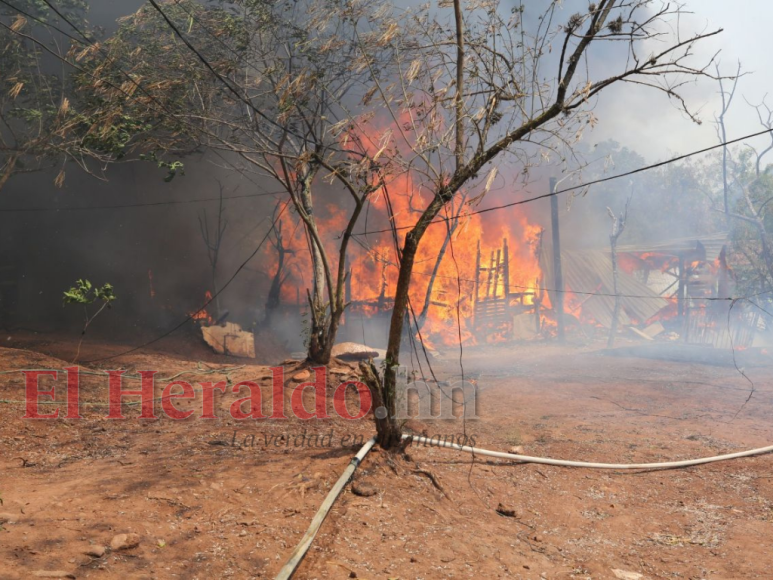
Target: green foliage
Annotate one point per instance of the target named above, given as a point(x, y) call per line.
point(114, 139)
point(34, 97)
point(172, 167)
point(142, 83)
point(85, 293)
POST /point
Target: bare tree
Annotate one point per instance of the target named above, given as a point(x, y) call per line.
point(618, 227)
point(745, 175)
point(276, 238)
point(213, 239)
point(477, 89)
point(727, 100)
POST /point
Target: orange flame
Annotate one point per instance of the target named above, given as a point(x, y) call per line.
point(374, 261)
point(202, 316)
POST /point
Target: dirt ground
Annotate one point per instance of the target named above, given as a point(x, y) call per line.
point(208, 501)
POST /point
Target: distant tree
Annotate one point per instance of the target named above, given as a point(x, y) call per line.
point(747, 195)
point(673, 201)
point(751, 201)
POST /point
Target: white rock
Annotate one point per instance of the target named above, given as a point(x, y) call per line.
point(625, 575)
point(95, 551)
point(125, 541)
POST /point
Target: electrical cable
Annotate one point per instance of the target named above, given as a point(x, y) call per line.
point(582, 185)
point(190, 317)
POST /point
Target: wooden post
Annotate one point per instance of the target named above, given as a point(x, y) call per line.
point(490, 273)
point(497, 272)
point(477, 286)
point(537, 298)
point(507, 269)
point(680, 290)
point(477, 274)
point(558, 275)
point(686, 305)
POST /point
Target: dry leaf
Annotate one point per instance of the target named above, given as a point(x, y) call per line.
point(413, 71)
point(19, 23)
point(15, 90)
point(59, 181)
point(490, 181)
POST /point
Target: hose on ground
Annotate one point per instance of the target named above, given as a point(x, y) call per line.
point(587, 464)
point(303, 546)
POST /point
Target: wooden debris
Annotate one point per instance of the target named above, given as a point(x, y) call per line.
point(654, 329)
point(230, 339)
point(639, 333)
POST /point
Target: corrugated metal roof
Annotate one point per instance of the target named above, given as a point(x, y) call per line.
point(676, 246)
point(591, 271)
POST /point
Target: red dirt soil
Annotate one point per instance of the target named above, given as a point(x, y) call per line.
point(203, 508)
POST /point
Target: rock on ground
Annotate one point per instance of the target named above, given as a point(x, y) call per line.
point(625, 575)
point(353, 351)
point(125, 541)
point(363, 489)
point(95, 551)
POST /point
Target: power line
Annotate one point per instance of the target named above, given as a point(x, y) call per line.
point(219, 77)
point(220, 41)
point(580, 186)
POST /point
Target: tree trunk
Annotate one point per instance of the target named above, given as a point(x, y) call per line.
point(319, 346)
point(275, 292)
point(616, 310)
point(389, 434)
point(317, 264)
point(765, 242)
point(422, 318)
point(387, 428)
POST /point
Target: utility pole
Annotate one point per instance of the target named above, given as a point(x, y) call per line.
point(558, 275)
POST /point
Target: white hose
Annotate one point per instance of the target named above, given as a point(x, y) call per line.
point(303, 546)
point(565, 463)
